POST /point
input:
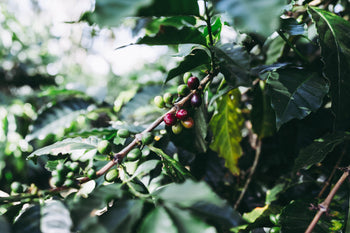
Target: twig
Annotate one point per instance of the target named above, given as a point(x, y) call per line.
point(323, 207)
point(328, 182)
point(252, 170)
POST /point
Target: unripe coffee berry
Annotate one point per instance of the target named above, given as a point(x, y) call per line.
point(196, 100)
point(104, 147)
point(177, 128)
point(186, 76)
point(170, 119)
point(123, 133)
point(168, 98)
point(188, 123)
point(134, 154)
point(16, 187)
point(193, 83)
point(91, 173)
point(159, 102)
point(147, 138)
point(181, 114)
point(183, 90)
point(111, 175)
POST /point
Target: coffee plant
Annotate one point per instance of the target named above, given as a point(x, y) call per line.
point(247, 132)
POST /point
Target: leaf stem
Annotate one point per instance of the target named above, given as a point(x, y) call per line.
point(292, 46)
point(323, 207)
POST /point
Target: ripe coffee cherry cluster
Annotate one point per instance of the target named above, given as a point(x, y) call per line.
point(64, 174)
point(178, 121)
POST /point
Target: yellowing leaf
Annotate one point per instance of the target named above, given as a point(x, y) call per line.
point(226, 125)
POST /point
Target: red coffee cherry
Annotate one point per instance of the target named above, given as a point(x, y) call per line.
point(193, 83)
point(196, 100)
point(188, 123)
point(170, 119)
point(182, 114)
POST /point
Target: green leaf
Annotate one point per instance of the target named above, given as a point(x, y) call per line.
point(173, 167)
point(234, 64)
point(274, 49)
point(262, 114)
point(145, 168)
point(334, 34)
point(158, 221)
point(67, 146)
point(297, 216)
point(4, 225)
point(52, 216)
point(197, 57)
point(122, 216)
point(255, 15)
point(168, 35)
point(112, 12)
point(176, 21)
point(226, 125)
point(292, 27)
point(170, 7)
point(295, 93)
point(188, 194)
point(319, 149)
point(59, 116)
point(201, 129)
point(81, 207)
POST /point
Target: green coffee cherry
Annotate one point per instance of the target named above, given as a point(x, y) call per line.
point(111, 175)
point(104, 147)
point(57, 181)
point(70, 175)
point(147, 138)
point(74, 167)
point(16, 187)
point(168, 98)
point(159, 102)
point(177, 128)
point(186, 76)
point(61, 169)
point(134, 154)
point(123, 133)
point(69, 183)
point(275, 230)
point(183, 90)
point(91, 174)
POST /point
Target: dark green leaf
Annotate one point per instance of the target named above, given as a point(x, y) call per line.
point(334, 34)
point(255, 15)
point(201, 129)
point(93, 132)
point(319, 149)
point(56, 117)
point(295, 93)
point(170, 7)
point(81, 207)
point(297, 216)
point(158, 221)
point(292, 27)
point(188, 194)
point(226, 126)
point(234, 63)
point(122, 216)
point(274, 49)
point(197, 57)
point(187, 223)
point(171, 35)
point(263, 116)
point(52, 216)
point(224, 216)
point(112, 12)
point(68, 146)
point(4, 225)
point(176, 21)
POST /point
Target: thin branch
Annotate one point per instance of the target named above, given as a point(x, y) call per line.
point(252, 170)
point(323, 207)
point(328, 182)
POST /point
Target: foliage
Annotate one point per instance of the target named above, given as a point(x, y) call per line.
point(265, 140)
